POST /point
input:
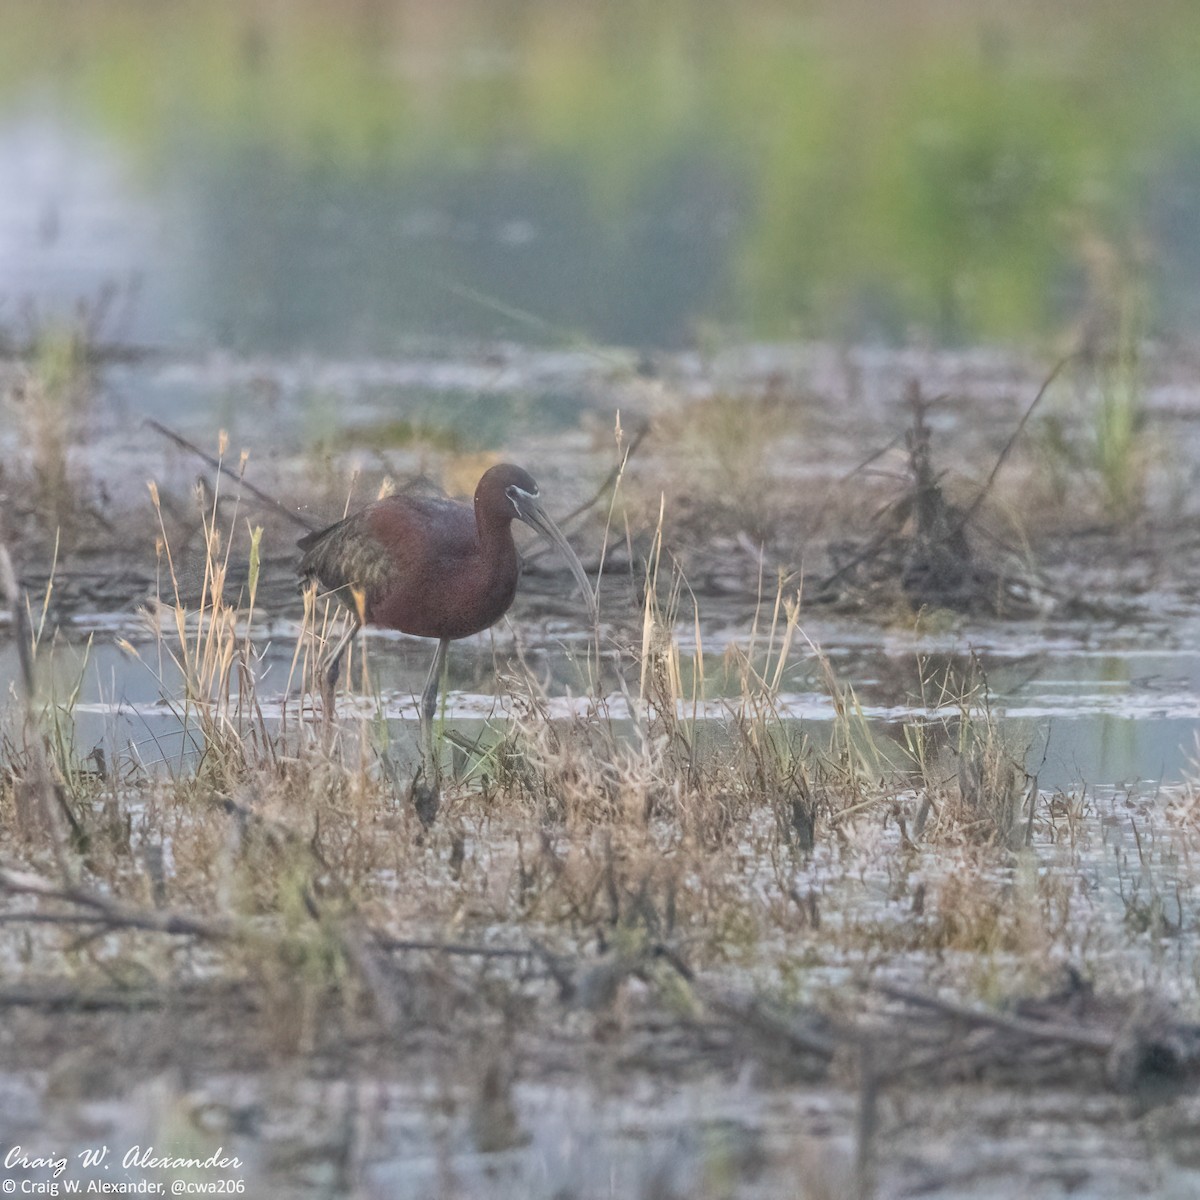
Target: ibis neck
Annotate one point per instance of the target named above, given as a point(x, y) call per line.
point(495, 536)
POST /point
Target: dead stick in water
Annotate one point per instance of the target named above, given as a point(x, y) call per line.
point(460, 949)
point(52, 998)
point(225, 469)
point(991, 479)
point(1080, 1036)
point(92, 907)
point(48, 789)
point(612, 477)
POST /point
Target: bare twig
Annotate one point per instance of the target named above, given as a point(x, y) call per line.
point(1016, 433)
point(101, 908)
point(611, 480)
point(1085, 1039)
point(296, 518)
point(609, 483)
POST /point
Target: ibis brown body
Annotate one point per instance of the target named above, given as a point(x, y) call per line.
point(423, 565)
point(432, 567)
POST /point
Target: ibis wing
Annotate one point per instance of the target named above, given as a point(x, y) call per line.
point(399, 547)
point(345, 558)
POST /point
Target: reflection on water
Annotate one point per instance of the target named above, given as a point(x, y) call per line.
point(342, 177)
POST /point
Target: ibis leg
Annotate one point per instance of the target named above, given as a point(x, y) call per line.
point(429, 700)
point(426, 787)
point(332, 665)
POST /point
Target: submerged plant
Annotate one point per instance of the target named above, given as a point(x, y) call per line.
point(1102, 438)
point(52, 396)
point(1118, 446)
point(964, 766)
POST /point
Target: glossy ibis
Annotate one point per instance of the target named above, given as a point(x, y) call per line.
point(432, 567)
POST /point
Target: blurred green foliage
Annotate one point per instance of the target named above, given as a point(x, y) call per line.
point(779, 168)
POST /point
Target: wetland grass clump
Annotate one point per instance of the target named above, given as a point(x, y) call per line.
point(265, 825)
point(1100, 438)
point(51, 393)
point(54, 401)
point(1119, 444)
point(618, 821)
point(726, 465)
point(678, 819)
point(929, 553)
point(969, 775)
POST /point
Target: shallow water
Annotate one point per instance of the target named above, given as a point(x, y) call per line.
point(1085, 705)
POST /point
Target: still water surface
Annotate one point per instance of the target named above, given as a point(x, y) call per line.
point(1085, 709)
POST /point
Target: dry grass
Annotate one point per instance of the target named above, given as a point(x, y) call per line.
point(725, 464)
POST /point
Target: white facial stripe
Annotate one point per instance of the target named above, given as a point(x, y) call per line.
point(517, 494)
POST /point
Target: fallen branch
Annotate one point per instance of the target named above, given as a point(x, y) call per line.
point(113, 913)
point(456, 949)
point(218, 465)
point(1083, 1038)
point(751, 1014)
point(60, 998)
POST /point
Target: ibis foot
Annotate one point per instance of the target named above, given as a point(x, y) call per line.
point(329, 680)
point(426, 797)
